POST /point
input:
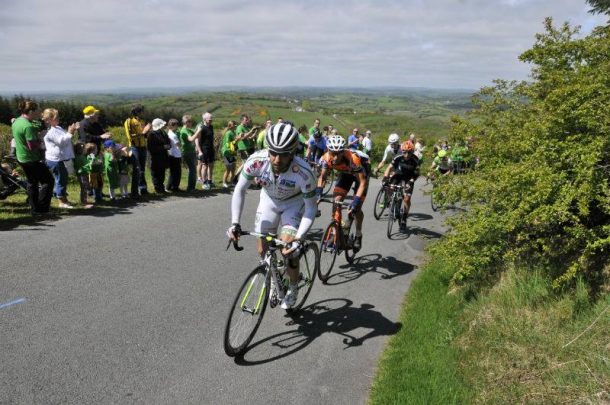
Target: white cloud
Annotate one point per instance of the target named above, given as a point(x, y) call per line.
point(70, 45)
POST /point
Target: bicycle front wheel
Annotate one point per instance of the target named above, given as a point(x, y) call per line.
point(329, 244)
point(381, 203)
point(392, 216)
point(247, 311)
point(309, 264)
point(349, 236)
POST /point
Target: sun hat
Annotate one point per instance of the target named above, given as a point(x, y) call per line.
point(108, 144)
point(157, 124)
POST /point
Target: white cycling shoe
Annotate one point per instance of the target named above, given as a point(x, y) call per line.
point(291, 297)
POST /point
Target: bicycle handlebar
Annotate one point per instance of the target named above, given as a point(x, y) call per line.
point(342, 203)
point(268, 238)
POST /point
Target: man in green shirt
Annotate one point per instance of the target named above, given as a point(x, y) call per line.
point(244, 135)
point(30, 156)
point(189, 156)
point(229, 154)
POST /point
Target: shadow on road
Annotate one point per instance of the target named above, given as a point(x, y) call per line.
point(335, 315)
point(387, 267)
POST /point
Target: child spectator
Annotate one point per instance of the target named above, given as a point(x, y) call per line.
point(96, 168)
point(82, 169)
point(123, 161)
point(111, 167)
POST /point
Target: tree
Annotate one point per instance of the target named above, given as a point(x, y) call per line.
point(541, 194)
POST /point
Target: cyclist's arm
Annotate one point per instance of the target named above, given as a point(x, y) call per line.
point(362, 179)
point(311, 208)
point(322, 178)
point(237, 201)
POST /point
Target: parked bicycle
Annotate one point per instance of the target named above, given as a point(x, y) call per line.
point(337, 238)
point(267, 283)
point(10, 180)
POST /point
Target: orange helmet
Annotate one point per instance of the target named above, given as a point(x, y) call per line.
point(407, 146)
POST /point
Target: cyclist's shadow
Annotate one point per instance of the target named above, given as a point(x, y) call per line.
point(335, 315)
point(387, 267)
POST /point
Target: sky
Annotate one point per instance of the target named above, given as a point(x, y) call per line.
point(72, 45)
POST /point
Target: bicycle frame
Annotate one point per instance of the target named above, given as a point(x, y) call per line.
point(271, 270)
point(336, 216)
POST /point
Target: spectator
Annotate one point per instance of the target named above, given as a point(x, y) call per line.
point(96, 167)
point(111, 167)
point(261, 142)
point(123, 161)
point(189, 156)
point(90, 129)
point(136, 131)
point(315, 130)
point(205, 150)
point(367, 143)
point(354, 140)
point(158, 146)
point(175, 157)
point(244, 135)
point(229, 154)
point(58, 151)
point(29, 156)
point(82, 170)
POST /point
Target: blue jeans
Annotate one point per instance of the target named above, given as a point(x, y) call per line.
point(60, 174)
point(189, 159)
point(138, 164)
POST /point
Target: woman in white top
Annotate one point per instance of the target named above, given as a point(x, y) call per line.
point(175, 157)
point(59, 150)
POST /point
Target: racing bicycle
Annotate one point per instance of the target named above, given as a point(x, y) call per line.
point(337, 237)
point(266, 284)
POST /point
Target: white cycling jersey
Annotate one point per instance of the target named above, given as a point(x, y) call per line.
point(288, 195)
point(389, 153)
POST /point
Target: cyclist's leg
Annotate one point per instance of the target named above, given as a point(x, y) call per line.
point(266, 220)
point(290, 217)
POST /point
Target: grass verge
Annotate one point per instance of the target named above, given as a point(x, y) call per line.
point(518, 342)
point(420, 364)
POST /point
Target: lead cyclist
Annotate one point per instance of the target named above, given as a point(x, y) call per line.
point(287, 199)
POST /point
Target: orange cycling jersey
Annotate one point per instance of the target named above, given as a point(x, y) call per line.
point(349, 164)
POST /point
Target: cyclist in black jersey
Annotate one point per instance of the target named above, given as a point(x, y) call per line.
point(404, 170)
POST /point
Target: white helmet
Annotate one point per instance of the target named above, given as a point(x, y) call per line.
point(282, 138)
point(335, 143)
point(393, 138)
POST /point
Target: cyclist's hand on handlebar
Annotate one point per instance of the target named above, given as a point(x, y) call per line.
point(234, 232)
point(293, 250)
point(385, 180)
point(318, 194)
point(355, 205)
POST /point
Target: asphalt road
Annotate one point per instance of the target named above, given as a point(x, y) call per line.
point(129, 306)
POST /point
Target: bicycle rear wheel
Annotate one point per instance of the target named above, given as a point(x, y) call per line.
point(247, 311)
point(329, 244)
point(381, 203)
point(308, 269)
point(391, 217)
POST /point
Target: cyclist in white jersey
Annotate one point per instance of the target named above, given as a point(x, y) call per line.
point(287, 198)
point(390, 152)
